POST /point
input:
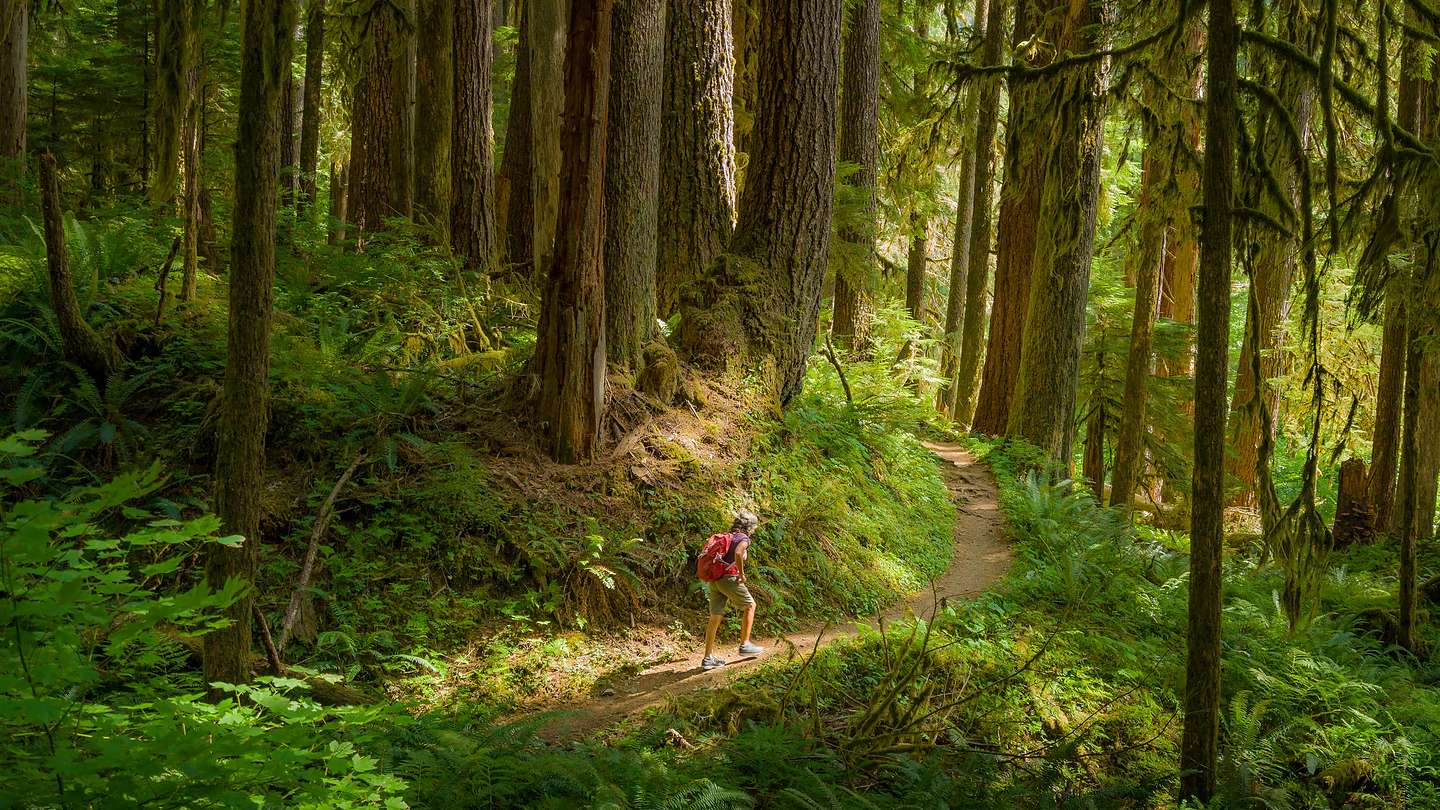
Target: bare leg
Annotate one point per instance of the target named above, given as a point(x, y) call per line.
point(711, 629)
point(746, 624)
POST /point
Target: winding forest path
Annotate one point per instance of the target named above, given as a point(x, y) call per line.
point(981, 556)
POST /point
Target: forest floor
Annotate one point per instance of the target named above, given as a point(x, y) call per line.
point(981, 556)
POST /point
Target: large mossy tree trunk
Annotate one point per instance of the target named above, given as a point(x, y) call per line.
point(1389, 394)
point(435, 112)
point(1018, 225)
point(240, 456)
point(547, 44)
point(14, 61)
point(78, 342)
point(1199, 745)
point(977, 277)
point(1043, 404)
point(310, 111)
point(570, 343)
point(697, 149)
point(514, 186)
point(291, 119)
point(175, 23)
point(763, 297)
point(860, 145)
point(191, 157)
point(632, 178)
point(474, 230)
point(381, 165)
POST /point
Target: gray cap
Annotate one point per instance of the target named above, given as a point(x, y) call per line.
point(744, 521)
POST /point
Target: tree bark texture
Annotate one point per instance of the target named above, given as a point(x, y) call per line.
point(14, 61)
point(1199, 744)
point(547, 43)
point(381, 184)
point(632, 178)
point(697, 149)
point(190, 152)
point(290, 120)
point(78, 342)
point(1390, 392)
point(266, 39)
point(474, 229)
point(1018, 224)
point(764, 298)
point(310, 112)
point(1409, 487)
point(1182, 249)
point(570, 349)
point(1146, 259)
point(435, 100)
point(1273, 279)
point(977, 277)
point(339, 200)
point(1043, 403)
point(174, 27)
point(859, 144)
point(515, 185)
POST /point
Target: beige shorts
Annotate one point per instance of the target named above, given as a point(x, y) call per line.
point(729, 589)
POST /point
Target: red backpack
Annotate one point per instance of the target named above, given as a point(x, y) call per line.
point(711, 565)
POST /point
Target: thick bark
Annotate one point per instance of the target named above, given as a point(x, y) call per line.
point(1409, 486)
point(1385, 438)
point(289, 122)
point(570, 347)
point(1199, 744)
point(14, 58)
point(1427, 429)
point(175, 24)
point(1015, 240)
point(1043, 403)
point(859, 144)
point(240, 457)
point(78, 342)
point(339, 200)
point(1093, 464)
point(547, 43)
point(697, 151)
point(190, 198)
point(1146, 260)
point(632, 178)
point(310, 112)
point(765, 296)
point(977, 277)
point(435, 91)
point(515, 182)
point(1182, 248)
point(381, 184)
point(474, 231)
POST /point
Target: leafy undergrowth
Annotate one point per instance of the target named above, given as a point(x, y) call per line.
point(1059, 689)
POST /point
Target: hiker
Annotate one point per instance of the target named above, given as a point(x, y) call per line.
point(721, 566)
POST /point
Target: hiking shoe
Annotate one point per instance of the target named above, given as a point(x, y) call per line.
point(751, 649)
point(711, 662)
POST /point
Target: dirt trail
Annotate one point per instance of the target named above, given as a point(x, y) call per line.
point(981, 556)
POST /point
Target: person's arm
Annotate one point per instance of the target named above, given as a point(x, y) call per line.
point(740, 556)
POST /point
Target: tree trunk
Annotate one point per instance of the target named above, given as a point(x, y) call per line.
point(1427, 430)
point(570, 347)
point(547, 43)
point(290, 120)
point(1384, 439)
point(977, 277)
point(435, 99)
point(1182, 250)
point(859, 144)
point(697, 151)
point(1199, 744)
point(1354, 522)
point(515, 183)
point(1410, 485)
point(632, 179)
point(1148, 253)
point(474, 231)
point(310, 112)
point(174, 29)
point(915, 260)
point(78, 342)
point(1043, 410)
point(765, 297)
point(1015, 240)
point(1093, 466)
point(14, 59)
point(190, 148)
point(339, 200)
point(380, 157)
point(240, 457)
